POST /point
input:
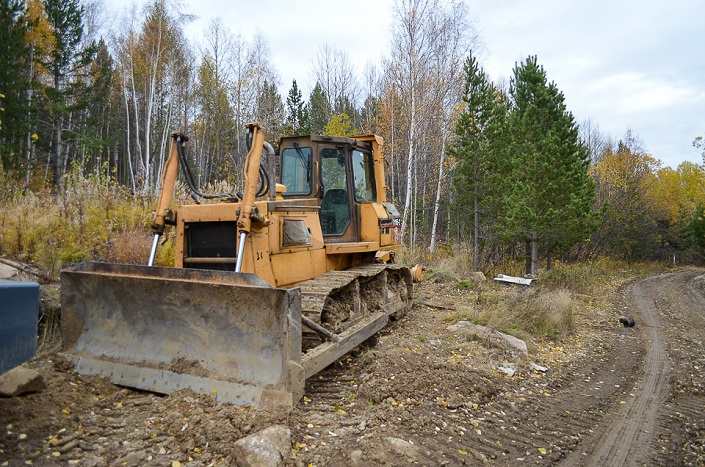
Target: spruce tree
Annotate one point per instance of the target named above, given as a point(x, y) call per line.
point(66, 61)
point(550, 194)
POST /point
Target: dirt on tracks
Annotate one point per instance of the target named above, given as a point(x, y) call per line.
point(419, 394)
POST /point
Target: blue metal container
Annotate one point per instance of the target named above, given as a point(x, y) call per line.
point(19, 310)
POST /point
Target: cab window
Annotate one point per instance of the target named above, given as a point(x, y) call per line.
point(363, 176)
point(296, 170)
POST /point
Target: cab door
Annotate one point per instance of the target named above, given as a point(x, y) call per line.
point(338, 220)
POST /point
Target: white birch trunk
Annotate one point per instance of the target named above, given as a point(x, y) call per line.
point(409, 166)
point(437, 204)
point(128, 144)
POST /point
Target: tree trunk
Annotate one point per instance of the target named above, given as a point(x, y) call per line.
point(437, 204)
point(534, 254)
point(409, 166)
point(476, 229)
point(30, 147)
point(130, 170)
point(56, 163)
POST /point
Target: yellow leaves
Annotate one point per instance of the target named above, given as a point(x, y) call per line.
point(339, 125)
point(463, 452)
point(339, 410)
point(40, 36)
point(66, 411)
point(542, 450)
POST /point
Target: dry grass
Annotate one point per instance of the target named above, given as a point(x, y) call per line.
point(546, 309)
point(89, 219)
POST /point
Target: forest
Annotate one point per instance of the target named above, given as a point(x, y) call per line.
point(498, 171)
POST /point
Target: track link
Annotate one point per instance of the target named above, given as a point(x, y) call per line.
point(338, 300)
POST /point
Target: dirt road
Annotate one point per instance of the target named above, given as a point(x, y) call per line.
point(661, 420)
point(420, 394)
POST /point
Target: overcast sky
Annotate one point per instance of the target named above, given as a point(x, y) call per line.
point(623, 64)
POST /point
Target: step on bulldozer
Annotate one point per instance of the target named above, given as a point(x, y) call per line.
point(269, 286)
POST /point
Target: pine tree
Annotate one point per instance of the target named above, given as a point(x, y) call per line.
point(14, 61)
point(270, 111)
point(297, 118)
point(319, 110)
point(551, 196)
point(478, 148)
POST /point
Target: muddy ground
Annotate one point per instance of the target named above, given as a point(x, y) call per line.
point(419, 394)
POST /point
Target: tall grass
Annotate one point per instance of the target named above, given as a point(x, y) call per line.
point(548, 308)
point(88, 219)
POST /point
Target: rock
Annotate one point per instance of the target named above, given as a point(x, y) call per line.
point(20, 381)
point(478, 278)
point(507, 369)
point(357, 457)
point(506, 341)
point(7, 271)
point(402, 447)
point(267, 448)
point(134, 458)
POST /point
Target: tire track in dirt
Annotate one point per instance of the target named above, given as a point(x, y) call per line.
point(627, 436)
point(682, 418)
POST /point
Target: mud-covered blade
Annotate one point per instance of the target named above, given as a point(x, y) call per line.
point(164, 329)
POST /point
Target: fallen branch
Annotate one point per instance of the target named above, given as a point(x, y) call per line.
point(26, 268)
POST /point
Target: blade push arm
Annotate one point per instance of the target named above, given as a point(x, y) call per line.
point(171, 170)
point(254, 157)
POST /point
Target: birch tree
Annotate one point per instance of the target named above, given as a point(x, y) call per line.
point(153, 65)
point(215, 120)
point(335, 73)
point(429, 39)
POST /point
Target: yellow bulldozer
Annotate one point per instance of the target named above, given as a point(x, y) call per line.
point(269, 286)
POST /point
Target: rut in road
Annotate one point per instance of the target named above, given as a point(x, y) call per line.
point(627, 437)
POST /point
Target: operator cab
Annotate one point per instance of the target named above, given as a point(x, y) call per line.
point(338, 171)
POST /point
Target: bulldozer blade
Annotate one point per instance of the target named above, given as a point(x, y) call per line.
point(230, 335)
